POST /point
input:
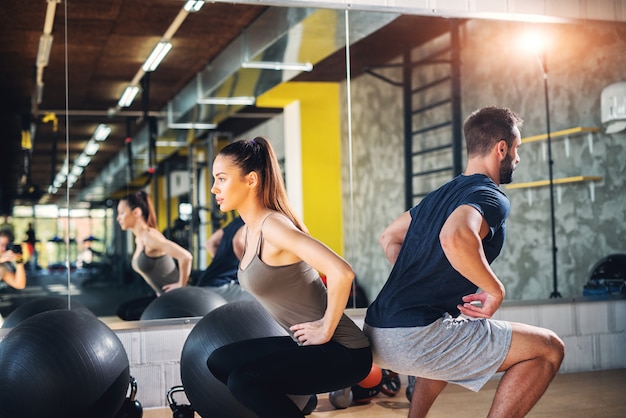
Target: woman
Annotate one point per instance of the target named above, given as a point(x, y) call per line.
point(12, 270)
point(325, 350)
point(162, 263)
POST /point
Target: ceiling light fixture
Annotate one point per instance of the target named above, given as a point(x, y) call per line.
point(59, 180)
point(45, 46)
point(193, 6)
point(83, 160)
point(39, 92)
point(277, 65)
point(102, 132)
point(92, 147)
point(156, 56)
point(71, 179)
point(77, 170)
point(129, 94)
point(191, 125)
point(65, 174)
point(226, 101)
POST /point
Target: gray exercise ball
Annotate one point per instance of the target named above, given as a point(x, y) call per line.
point(235, 321)
point(184, 302)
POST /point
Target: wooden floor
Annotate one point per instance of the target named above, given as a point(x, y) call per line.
point(599, 394)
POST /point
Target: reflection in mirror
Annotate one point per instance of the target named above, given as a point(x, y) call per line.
point(381, 155)
point(164, 143)
point(81, 251)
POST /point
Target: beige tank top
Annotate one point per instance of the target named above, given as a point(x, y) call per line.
point(293, 294)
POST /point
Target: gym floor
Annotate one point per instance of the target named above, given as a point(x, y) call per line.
point(598, 394)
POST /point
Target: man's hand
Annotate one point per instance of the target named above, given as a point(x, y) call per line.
point(479, 305)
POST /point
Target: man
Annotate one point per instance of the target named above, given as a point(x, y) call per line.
point(429, 321)
point(30, 240)
point(12, 270)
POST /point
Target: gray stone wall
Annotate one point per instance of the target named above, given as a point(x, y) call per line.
point(590, 224)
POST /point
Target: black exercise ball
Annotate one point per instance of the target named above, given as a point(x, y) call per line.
point(62, 363)
point(184, 302)
point(235, 321)
point(39, 305)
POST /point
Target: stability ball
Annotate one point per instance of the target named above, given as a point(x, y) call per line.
point(235, 321)
point(184, 302)
point(62, 363)
point(39, 305)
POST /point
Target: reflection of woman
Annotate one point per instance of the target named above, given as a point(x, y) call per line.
point(162, 263)
point(325, 350)
point(11, 267)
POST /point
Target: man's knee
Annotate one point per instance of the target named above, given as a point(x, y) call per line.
point(557, 350)
point(531, 342)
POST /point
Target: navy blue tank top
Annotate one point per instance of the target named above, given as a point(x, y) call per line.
point(423, 285)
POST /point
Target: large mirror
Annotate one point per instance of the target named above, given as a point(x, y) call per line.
point(359, 147)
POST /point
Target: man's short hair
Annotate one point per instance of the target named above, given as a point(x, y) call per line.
point(487, 126)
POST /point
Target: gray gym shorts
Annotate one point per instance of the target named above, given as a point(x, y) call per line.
point(464, 351)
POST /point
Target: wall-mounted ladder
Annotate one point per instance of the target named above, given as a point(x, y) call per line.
point(431, 86)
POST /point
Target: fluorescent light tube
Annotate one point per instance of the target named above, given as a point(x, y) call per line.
point(92, 147)
point(83, 160)
point(45, 45)
point(39, 93)
point(193, 6)
point(59, 180)
point(130, 92)
point(65, 168)
point(102, 132)
point(77, 170)
point(156, 56)
point(277, 65)
point(242, 100)
point(191, 125)
point(71, 179)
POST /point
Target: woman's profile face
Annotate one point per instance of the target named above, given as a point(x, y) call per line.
point(4, 243)
point(124, 215)
point(229, 186)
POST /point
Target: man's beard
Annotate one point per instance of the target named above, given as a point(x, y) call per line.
point(506, 170)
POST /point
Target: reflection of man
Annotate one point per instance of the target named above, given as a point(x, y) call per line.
point(86, 256)
point(31, 241)
point(225, 247)
point(12, 270)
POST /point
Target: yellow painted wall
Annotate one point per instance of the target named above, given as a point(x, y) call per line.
point(321, 155)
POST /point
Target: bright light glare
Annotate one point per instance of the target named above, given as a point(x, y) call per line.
point(534, 41)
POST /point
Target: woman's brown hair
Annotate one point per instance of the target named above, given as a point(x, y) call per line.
point(142, 201)
point(258, 155)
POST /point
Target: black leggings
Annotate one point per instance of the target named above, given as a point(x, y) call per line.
point(261, 372)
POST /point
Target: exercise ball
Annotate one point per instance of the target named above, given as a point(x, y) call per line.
point(184, 302)
point(235, 321)
point(39, 305)
point(62, 363)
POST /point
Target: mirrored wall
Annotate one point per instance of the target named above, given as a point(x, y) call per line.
point(377, 96)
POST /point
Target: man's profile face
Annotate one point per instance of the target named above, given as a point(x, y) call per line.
point(506, 170)
point(510, 162)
